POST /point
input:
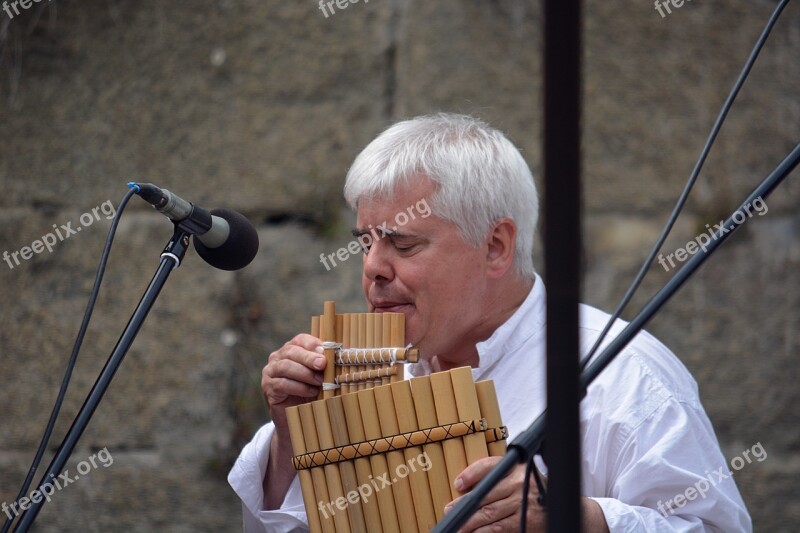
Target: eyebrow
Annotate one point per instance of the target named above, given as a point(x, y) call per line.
point(388, 233)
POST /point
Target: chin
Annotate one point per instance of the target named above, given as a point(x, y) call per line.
point(413, 332)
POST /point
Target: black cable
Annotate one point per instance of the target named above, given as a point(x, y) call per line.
point(523, 515)
point(74, 356)
point(541, 499)
point(692, 178)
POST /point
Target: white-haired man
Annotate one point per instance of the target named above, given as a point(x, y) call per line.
point(465, 281)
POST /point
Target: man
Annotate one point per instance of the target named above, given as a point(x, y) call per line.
point(464, 279)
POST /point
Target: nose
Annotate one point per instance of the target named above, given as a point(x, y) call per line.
point(377, 262)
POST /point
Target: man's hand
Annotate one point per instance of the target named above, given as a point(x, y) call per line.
point(500, 509)
point(501, 506)
point(293, 375)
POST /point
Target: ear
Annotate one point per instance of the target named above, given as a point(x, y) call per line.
point(500, 246)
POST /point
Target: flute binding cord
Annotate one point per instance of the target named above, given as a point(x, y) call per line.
point(398, 442)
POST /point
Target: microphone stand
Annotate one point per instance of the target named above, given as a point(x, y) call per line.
point(529, 443)
point(171, 259)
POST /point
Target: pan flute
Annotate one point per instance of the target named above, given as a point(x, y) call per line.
point(379, 453)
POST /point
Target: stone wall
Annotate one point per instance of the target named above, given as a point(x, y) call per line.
point(260, 106)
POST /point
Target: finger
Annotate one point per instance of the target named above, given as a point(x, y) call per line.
point(494, 507)
point(475, 472)
point(293, 367)
point(511, 487)
point(504, 500)
point(307, 342)
point(510, 523)
point(304, 353)
point(291, 372)
point(535, 521)
point(299, 382)
point(280, 389)
point(505, 512)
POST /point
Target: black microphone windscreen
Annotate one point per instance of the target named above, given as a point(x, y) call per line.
point(238, 250)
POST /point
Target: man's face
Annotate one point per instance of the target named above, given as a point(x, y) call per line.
point(425, 270)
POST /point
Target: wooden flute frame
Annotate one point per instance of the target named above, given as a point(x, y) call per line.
point(379, 453)
point(362, 350)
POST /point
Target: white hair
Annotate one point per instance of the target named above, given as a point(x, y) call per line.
point(480, 176)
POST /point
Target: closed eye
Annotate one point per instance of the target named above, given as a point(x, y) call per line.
point(403, 243)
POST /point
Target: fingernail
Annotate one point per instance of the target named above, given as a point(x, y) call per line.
point(319, 349)
point(459, 484)
point(319, 363)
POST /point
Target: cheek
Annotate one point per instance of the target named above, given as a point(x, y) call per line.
point(463, 268)
point(440, 295)
point(463, 284)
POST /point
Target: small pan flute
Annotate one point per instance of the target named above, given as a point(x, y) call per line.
point(379, 453)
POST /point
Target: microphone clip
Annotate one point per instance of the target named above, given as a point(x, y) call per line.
point(191, 218)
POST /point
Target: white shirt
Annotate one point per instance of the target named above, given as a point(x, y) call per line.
point(646, 437)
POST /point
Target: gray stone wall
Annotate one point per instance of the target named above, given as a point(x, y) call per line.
point(261, 106)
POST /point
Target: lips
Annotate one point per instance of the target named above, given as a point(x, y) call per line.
point(390, 307)
point(390, 303)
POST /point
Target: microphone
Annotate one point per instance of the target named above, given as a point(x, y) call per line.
point(224, 238)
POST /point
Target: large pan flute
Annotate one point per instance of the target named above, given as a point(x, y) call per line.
point(379, 453)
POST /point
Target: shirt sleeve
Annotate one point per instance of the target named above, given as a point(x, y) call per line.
point(246, 478)
point(662, 470)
